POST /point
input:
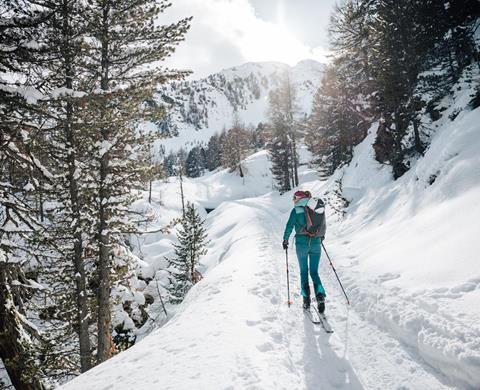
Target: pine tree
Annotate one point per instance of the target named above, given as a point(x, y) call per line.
point(235, 147)
point(258, 137)
point(127, 42)
point(381, 49)
point(195, 163)
point(63, 35)
point(283, 125)
point(334, 126)
point(190, 247)
point(280, 151)
point(283, 116)
point(17, 352)
point(213, 153)
point(20, 174)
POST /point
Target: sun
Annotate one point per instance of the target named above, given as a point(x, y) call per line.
point(275, 42)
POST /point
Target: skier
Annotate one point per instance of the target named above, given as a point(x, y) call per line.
point(307, 248)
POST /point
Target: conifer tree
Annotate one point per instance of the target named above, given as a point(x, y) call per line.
point(235, 147)
point(63, 35)
point(334, 127)
point(127, 42)
point(258, 137)
point(213, 153)
point(280, 151)
point(195, 163)
point(283, 125)
point(20, 172)
point(190, 247)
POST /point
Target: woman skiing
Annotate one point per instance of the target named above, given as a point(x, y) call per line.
point(308, 249)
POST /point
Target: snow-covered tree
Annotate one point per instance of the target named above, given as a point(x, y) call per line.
point(195, 163)
point(213, 153)
point(20, 174)
point(334, 126)
point(126, 41)
point(283, 128)
point(235, 147)
point(283, 116)
point(280, 150)
point(63, 35)
point(192, 239)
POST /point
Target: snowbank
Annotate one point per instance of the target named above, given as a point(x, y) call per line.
point(410, 247)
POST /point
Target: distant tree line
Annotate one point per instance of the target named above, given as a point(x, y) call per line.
point(223, 150)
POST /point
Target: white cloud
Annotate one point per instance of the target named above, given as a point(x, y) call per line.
point(226, 33)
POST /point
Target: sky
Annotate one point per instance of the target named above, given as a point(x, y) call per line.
point(226, 33)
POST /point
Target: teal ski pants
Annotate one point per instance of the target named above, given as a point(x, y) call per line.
point(308, 253)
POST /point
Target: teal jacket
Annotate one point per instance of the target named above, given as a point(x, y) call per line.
point(296, 220)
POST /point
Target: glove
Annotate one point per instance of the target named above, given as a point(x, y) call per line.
point(285, 244)
point(322, 238)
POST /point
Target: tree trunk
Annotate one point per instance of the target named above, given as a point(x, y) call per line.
point(150, 192)
point(78, 261)
point(181, 194)
point(418, 143)
point(292, 132)
point(295, 161)
point(104, 345)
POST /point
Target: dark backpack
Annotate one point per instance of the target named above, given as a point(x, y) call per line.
point(315, 217)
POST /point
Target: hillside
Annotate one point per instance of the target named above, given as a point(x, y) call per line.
point(199, 108)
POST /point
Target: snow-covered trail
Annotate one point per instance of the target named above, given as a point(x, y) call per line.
point(358, 355)
point(235, 331)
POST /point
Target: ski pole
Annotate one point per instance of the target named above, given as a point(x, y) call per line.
point(289, 302)
point(334, 270)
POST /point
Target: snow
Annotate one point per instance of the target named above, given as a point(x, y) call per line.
point(103, 147)
point(406, 252)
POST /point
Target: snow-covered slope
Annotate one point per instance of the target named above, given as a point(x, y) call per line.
point(413, 245)
point(405, 250)
point(199, 108)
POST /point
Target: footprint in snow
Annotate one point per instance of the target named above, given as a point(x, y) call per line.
point(253, 322)
point(266, 292)
point(387, 277)
point(274, 300)
point(265, 347)
point(277, 337)
point(464, 287)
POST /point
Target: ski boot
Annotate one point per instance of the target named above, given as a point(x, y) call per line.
point(306, 303)
point(321, 303)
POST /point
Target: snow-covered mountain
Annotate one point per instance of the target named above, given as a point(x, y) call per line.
point(199, 108)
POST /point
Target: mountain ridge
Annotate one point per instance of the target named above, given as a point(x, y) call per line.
point(197, 109)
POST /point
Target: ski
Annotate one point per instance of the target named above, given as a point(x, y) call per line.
point(312, 315)
point(326, 326)
point(322, 320)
